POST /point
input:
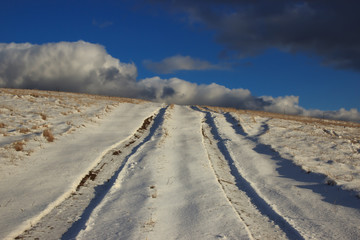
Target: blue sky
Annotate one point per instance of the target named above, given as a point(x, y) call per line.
point(140, 31)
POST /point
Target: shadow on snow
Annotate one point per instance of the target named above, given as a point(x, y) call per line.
point(102, 190)
point(244, 185)
point(287, 169)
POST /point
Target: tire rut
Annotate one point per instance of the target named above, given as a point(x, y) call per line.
point(70, 216)
point(261, 220)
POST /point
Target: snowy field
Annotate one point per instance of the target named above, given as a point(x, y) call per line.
point(77, 166)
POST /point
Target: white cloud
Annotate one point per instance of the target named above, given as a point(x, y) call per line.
point(177, 63)
point(178, 91)
point(69, 66)
point(290, 105)
point(287, 104)
point(341, 114)
point(86, 67)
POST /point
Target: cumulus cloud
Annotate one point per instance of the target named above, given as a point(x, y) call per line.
point(326, 28)
point(290, 105)
point(68, 66)
point(178, 91)
point(178, 62)
point(86, 67)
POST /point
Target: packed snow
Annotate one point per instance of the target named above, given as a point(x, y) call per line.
point(77, 166)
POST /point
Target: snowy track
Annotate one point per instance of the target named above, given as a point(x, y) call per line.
point(191, 173)
point(262, 221)
point(299, 203)
point(167, 190)
point(71, 215)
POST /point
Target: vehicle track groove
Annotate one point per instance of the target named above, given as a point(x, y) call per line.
point(73, 212)
point(241, 183)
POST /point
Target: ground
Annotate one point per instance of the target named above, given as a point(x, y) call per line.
point(78, 166)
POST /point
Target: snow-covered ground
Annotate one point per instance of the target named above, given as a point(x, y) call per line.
point(78, 166)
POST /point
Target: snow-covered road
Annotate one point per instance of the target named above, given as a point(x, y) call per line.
point(299, 203)
point(167, 190)
point(172, 172)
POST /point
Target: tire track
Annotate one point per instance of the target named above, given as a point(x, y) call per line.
point(325, 207)
point(262, 221)
point(70, 216)
point(226, 181)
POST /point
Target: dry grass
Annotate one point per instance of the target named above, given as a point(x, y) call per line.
point(108, 109)
point(34, 95)
point(253, 119)
point(48, 135)
point(5, 134)
point(116, 152)
point(43, 116)
point(76, 96)
point(73, 105)
point(303, 119)
point(24, 130)
point(150, 224)
point(154, 194)
point(34, 127)
point(18, 146)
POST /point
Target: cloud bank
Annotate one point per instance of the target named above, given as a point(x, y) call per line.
point(86, 67)
point(326, 28)
point(177, 63)
point(68, 66)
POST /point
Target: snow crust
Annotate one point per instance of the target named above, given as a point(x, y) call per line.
point(298, 200)
point(32, 186)
point(167, 190)
point(125, 169)
point(331, 150)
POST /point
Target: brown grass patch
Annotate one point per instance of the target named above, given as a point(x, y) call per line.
point(75, 96)
point(48, 135)
point(24, 130)
point(108, 109)
point(18, 146)
point(154, 194)
point(2, 125)
point(91, 175)
point(43, 116)
point(116, 152)
point(146, 123)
